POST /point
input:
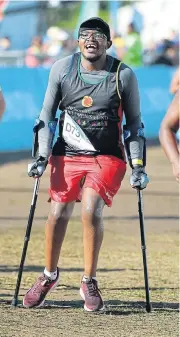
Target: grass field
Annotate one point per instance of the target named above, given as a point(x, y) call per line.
point(120, 272)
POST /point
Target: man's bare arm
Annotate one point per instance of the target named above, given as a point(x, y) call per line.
point(167, 134)
point(2, 104)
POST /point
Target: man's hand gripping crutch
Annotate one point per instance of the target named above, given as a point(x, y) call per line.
point(35, 170)
point(139, 181)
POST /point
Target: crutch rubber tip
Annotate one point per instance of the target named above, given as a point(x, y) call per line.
point(148, 307)
point(14, 302)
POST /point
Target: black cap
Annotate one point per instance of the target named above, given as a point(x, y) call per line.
point(96, 23)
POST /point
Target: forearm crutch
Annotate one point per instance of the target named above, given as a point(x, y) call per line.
point(26, 240)
point(143, 247)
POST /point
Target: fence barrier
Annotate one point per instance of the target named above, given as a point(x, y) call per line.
point(24, 90)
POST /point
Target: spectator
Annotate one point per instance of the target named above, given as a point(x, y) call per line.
point(119, 47)
point(133, 47)
point(55, 44)
point(5, 43)
point(167, 53)
point(34, 52)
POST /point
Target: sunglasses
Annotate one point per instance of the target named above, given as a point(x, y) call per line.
point(97, 36)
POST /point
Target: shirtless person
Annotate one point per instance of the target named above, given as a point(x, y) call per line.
point(167, 134)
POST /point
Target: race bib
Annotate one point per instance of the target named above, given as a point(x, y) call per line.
point(74, 135)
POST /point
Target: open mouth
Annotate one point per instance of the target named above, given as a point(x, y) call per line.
point(91, 47)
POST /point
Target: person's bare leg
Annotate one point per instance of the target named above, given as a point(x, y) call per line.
point(93, 229)
point(56, 226)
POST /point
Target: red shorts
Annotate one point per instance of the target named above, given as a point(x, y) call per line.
point(102, 173)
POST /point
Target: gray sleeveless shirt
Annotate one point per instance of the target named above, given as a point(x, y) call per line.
point(90, 122)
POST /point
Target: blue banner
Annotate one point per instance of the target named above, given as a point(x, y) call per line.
point(24, 91)
point(154, 82)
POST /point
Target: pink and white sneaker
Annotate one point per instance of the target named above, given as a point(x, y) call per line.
point(91, 295)
point(35, 296)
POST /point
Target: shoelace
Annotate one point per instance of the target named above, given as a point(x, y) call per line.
point(43, 281)
point(92, 289)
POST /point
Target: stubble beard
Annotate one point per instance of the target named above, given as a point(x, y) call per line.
point(92, 59)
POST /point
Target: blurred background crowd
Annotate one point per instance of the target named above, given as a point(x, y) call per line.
point(37, 33)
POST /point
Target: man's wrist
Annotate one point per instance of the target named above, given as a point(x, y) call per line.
point(138, 169)
point(41, 158)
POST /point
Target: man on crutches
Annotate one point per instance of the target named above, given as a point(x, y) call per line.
point(87, 163)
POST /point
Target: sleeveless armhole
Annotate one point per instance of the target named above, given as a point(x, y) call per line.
point(70, 68)
point(117, 79)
